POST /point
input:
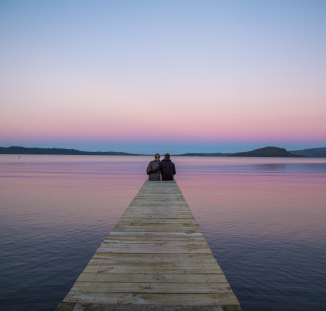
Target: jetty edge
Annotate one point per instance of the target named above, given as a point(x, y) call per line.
point(155, 258)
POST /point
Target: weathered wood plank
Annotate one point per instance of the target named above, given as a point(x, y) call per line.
point(162, 216)
point(161, 226)
point(148, 263)
point(153, 248)
point(157, 258)
point(155, 239)
point(152, 212)
point(154, 257)
point(73, 306)
point(152, 269)
point(180, 234)
point(153, 228)
point(153, 288)
point(144, 240)
point(159, 299)
point(193, 264)
point(158, 211)
point(152, 277)
point(156, 221)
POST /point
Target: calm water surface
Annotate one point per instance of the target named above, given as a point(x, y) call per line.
point(264, 219)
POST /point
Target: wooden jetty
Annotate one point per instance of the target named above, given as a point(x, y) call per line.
point(155, 258)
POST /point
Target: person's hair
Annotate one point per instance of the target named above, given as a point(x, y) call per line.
point(167, 156)
point(157, 156)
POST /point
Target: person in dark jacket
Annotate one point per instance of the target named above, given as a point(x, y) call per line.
point(152, 165)
point(166, 167)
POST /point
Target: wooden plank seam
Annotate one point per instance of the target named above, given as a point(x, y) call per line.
point(155, 258)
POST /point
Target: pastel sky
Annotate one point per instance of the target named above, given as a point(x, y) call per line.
point(163, 76)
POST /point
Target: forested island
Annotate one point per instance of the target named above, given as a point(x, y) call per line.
point(266, 152)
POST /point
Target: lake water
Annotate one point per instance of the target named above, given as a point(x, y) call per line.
point(264, 219)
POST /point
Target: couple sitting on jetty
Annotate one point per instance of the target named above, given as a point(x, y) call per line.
point(166, 168)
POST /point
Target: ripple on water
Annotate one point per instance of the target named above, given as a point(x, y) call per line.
point(263, 219)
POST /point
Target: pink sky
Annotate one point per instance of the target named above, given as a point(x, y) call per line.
point(217, 79)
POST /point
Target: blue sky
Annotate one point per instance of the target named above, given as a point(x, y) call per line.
point(178, 76)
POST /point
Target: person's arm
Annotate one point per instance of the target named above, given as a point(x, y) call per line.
point(155, 170)
point(174, 172)
point(148, 168)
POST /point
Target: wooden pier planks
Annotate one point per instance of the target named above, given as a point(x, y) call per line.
point(155, 258)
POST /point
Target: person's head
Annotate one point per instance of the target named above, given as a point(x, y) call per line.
point(167, 156)
point(157, 157)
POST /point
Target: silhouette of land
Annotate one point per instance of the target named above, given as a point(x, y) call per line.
point(266, 152)
point(218, 154)
point(57, 151)
point(312, 152)
point(262, 152)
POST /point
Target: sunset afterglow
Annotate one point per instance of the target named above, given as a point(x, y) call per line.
point(185, 76)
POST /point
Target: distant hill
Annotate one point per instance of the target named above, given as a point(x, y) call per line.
point(262, 152)
point(312, 152)
point(265, 152)
point(203, 154)
point(57, 151)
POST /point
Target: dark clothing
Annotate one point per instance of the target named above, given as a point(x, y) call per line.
point(152, 165)
point(167, 169)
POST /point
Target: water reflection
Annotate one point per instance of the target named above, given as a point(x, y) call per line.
point(276, 167)
point(264, 220)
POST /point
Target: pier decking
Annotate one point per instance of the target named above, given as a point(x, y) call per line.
point(155, 258)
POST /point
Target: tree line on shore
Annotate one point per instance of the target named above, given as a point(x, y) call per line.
point(262, 152)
